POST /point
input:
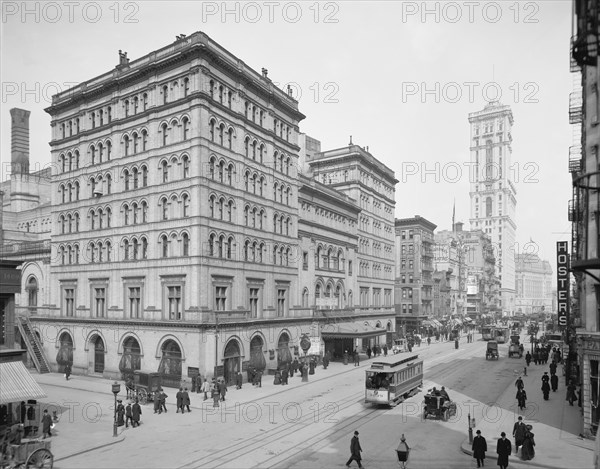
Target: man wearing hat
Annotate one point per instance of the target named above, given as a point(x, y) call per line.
point(503, 449)
point(355, 450)
point(479, 448)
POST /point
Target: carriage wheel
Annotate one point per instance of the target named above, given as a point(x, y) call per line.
point(143, 396)
point(41, 458)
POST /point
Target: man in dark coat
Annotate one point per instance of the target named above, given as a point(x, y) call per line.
point(528, 358)
point(479, 448)
point(519, 430)
point(179, 397)
point(519, 383)
point(355, 451)
point(238, 380)
point(369, 351)
point(222, 389)
point(521, 398)
point(128, 415)
point(326, 361)
point(136, 411)
point(504, 450)
point(554, 382)
point(552, 368)
point(46, 424)
point(163, 401)
point(186, 400)
point(67, 371)
point(356, 357)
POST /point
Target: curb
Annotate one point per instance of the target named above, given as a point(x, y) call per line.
point(93, 448)
point(466, 448)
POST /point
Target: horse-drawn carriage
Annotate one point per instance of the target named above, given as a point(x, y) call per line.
point(438, 406)
point(27, 454)
point(492, 350)
point(143, 386)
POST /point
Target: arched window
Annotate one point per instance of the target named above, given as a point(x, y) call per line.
point(144, 212)
point(164, 208)
point(164, 128)
point(185, 240)
point(230, 174)
point(144, 248)
point(288, 194)
point(108, 251)
point(247, 147)
point(165, 91)
point(165, 171)
point(126, 178)
point(100, 219)
point(230, 138)
point(144, 176)
point(126, 145)
point(126, 214)
point(220, 208)
point(165, 245)
point(186, 166)
point(144, 140)
point(186, 128)
point(186, 87)
point(136, 103)
point(126, 250)
point(108, 150)
point(212, 130)
point(93, 153)
point(221, 133)
point(211, 206)
point(211, 88)
point(134, 209)
point(108, 216)
point(32, 291)
point(185, 200)
point(229, 210)
point(126, 106)
point(135, 138)
point(135, 248)
point(63, 225)
point(135, 178)
point(305, 298)
point(76, 222)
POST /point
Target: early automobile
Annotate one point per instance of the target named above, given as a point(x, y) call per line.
point(514, 349)
point(492, 350)
point(439, 406)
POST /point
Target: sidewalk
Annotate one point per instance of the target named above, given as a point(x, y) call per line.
point(556, 425)
point(69, 447)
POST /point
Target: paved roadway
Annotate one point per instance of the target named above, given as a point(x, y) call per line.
point(303, 424)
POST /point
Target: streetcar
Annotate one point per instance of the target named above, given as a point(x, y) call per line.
point(486, 332)
point(392, 379)
point(501, 335)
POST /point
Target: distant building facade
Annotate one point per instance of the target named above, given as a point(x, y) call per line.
point(534, 284)
point(414, 282)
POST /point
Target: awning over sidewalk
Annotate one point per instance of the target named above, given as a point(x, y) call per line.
point(350, 330)
point(17, 384)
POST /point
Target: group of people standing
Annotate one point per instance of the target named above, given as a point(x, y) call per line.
point(129, 414)
point(523, 439)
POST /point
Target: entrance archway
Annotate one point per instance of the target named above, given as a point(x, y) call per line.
point(99, 355)
point(284, 356)
point(170, 364)
point(257, 356)
point(231, 361)
point(131, 359)
point(65, 352)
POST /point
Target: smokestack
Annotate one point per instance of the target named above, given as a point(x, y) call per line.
point(19, 151)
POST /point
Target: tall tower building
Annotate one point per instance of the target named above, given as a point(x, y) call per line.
point(493, 192)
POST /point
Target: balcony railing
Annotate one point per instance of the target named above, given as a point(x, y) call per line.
point(575, 163)
point(586, 249)
point(575, 107)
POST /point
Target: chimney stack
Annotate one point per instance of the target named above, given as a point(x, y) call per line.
point(19, 149)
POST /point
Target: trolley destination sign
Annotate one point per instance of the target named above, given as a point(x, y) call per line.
point(562, 282)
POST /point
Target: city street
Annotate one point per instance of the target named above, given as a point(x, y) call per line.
point(308, 424)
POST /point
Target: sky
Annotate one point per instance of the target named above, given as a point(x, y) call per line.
point(399, 77)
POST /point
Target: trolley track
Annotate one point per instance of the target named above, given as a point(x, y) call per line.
point(230, 453)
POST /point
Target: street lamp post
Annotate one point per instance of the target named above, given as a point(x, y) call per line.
point(116, 389)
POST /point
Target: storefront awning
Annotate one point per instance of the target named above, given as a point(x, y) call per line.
point(350, 330)
point(17, 384)
point(436, 323)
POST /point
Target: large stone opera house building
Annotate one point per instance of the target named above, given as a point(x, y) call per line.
point(189, 227)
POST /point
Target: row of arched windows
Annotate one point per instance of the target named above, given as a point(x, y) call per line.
point(68, 192)
point(133, 143)
point(69, 223)
point(177, 130)
point(282, 224)
point(221, 133)
point(168, 168)
point(220, 93)
point(175, 206)
point(330, 258)
point(221, 207)
point(282, 193)
point(176, 244)
point(68, 254)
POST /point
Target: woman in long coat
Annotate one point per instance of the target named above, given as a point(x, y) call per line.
point(528, 452)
